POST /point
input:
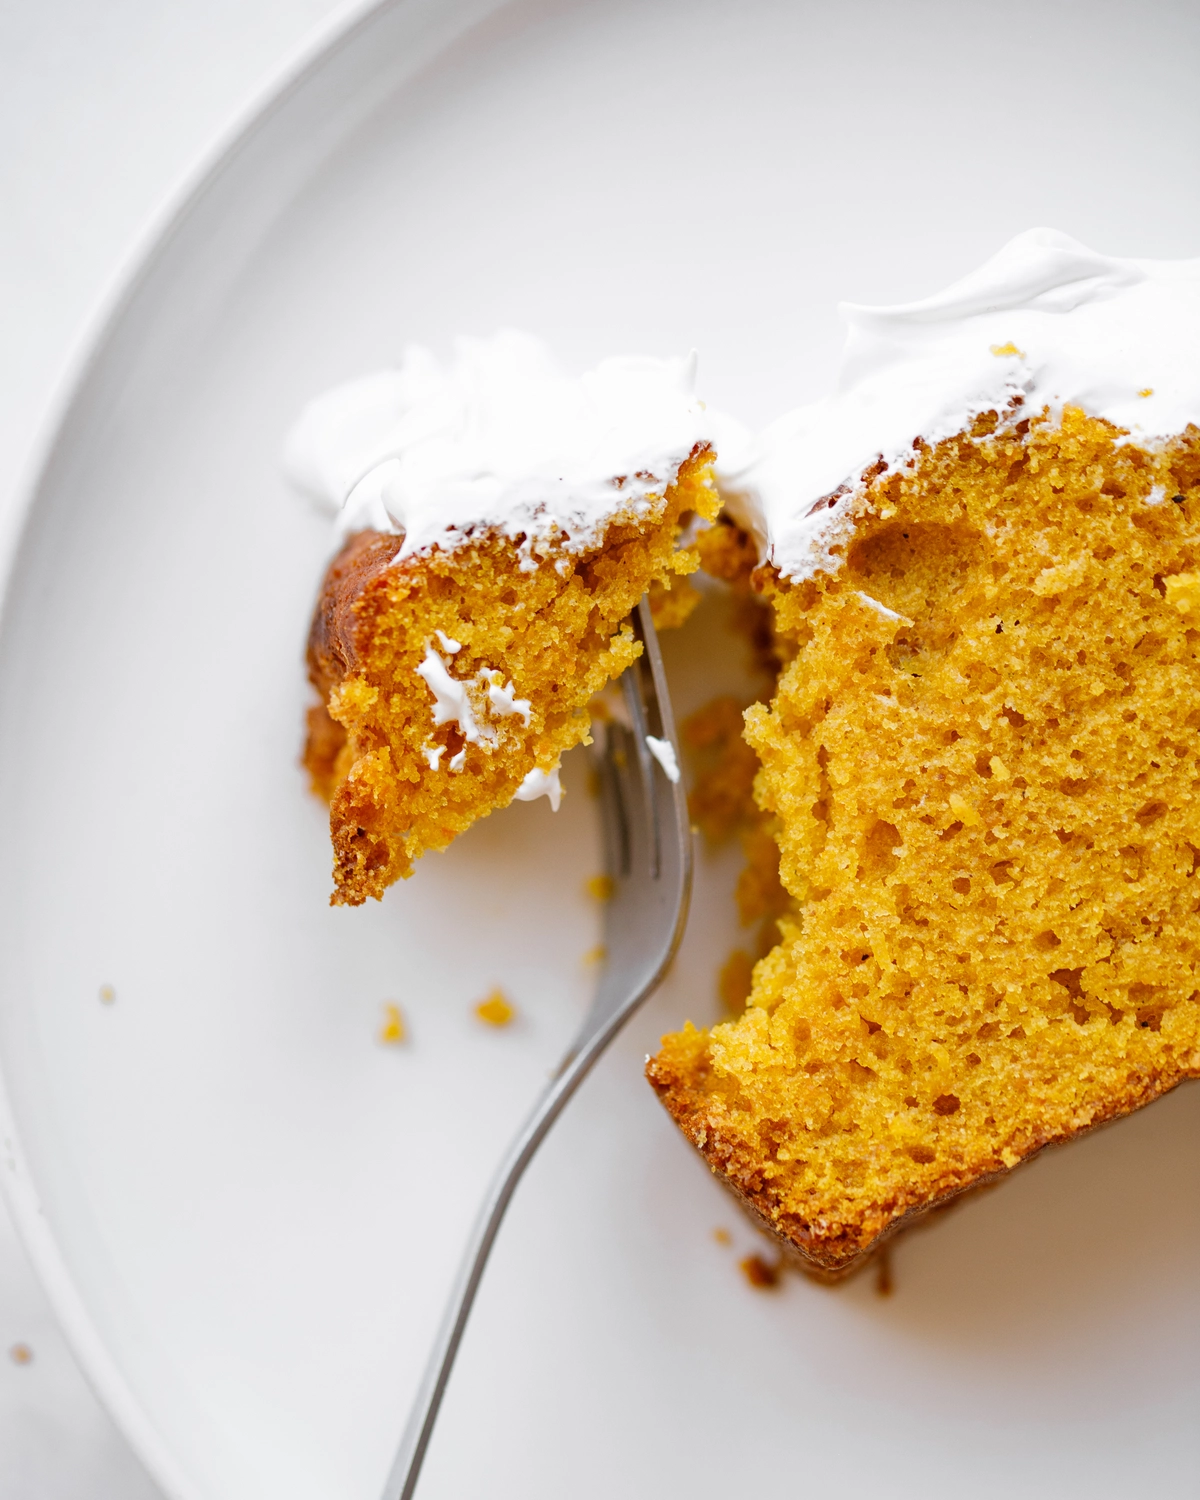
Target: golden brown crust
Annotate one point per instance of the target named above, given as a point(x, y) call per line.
point(332, 650)
point(323, 746)
point(833, 1256)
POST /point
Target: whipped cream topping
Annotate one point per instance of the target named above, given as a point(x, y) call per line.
point(664, 753)
point(882, 609)
point(1046, 320)
point(499, 439)
point(463, 700)
point(541, 784)
point(451, 699)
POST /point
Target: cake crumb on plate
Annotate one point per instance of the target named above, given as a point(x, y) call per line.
point(495, 1010)
point(762, 1274)
point(393, 1029)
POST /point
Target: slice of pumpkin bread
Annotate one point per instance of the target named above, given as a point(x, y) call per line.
point(983, 765)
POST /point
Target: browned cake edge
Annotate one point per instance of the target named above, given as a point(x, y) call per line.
point(832, 1255)
point(331, 645)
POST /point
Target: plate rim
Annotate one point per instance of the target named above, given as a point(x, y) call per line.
point(118, 292)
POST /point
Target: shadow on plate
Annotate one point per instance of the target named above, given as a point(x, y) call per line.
point(1103, 1231)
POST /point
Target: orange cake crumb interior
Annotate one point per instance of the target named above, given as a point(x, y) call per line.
point(555, 632)
point(981, 768)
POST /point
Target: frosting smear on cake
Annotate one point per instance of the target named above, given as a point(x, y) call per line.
point(498, 440)
point(499, 521)
point(1045, 324)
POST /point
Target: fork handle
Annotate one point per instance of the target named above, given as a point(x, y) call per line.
point(402, 1481)
point(622, 989)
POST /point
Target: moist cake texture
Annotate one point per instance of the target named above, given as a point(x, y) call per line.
point(969, 805)
point(980, 764)
point(503, 521)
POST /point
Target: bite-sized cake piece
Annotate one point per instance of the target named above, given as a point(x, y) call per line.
point(501, 520)
point(982, 759)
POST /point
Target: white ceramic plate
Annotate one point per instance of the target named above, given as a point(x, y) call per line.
point(248, 1211)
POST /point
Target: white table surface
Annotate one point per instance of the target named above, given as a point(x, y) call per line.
point(103, 105)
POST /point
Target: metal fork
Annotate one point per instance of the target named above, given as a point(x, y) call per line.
point(649, 860)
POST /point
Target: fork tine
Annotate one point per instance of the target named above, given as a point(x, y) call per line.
point(635, 699)
point(614, 811)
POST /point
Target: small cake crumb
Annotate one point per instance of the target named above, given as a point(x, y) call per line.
point(1148, 391)
point(495, 1010)
point(393, 1029)
point(1010, 348)
point(107, 994)
point(21, 1354)
point(762, 1274)
point(594, 957)
point(722, 1237)
point(600, 887)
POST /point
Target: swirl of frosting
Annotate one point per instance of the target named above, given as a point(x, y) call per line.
point(1046, 323)
point(499, 439)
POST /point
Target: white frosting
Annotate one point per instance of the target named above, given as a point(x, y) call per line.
point(502, 699)
point(460, 700)
point(664, 753)
point(882, 609)
point(499, 439)
point(1046, 320)
point(541, 784)
point(451, 701)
